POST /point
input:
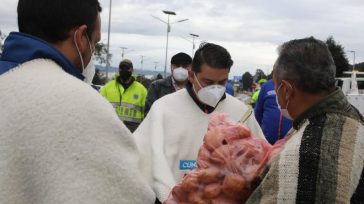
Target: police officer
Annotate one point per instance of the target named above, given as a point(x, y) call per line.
point(126, 95)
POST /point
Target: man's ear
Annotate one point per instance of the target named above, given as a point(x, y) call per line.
point(80, 38)
point(191, 76)
point(288, 89)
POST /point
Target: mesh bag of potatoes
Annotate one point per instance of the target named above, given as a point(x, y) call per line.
point(228, 166)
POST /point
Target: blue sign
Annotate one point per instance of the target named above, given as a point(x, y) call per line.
point(187, 164)
point(237, 78)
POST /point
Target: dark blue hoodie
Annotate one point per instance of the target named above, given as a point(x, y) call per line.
point(20, 48)
point(269, 116)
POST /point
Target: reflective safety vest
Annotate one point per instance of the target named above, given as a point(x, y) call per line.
point(129, 104)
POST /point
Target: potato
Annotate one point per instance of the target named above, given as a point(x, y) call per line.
point(223, 199)
point(190, 182)
point(196, 198)
point(222, 154)
point(213, 139)
point(244, 132)
point(203, 158)
point(235, 186)
point(179, 194)
point(210, 175)
point(212, 190)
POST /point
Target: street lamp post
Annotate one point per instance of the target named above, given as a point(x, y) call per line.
point(142, 61)
point(168, 30)
point(193, 42)
point(353, 51)
point(168, 13)
point(122, 52)
point(155, 66)
point(108, 43)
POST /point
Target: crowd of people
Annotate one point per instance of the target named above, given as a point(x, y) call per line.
point(63, 142)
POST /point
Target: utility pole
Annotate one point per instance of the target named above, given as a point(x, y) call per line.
point(142, 61)
point(193, 43)
point(122, 52)
point(108, 43)
point(168, 13)
point(155, 66)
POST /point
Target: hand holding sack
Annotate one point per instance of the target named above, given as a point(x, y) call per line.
point(228, 166)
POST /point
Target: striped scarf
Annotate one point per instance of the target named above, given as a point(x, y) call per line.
point(323, 160)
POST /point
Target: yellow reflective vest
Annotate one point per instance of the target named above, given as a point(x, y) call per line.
point(129, 104)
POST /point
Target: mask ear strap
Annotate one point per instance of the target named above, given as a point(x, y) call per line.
point(89, 43)
point(287, 90)
point(197, 80)
point(78, 50)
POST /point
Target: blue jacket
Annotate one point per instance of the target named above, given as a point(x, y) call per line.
point(230, 88)
point(20, 48)
point(269, 116)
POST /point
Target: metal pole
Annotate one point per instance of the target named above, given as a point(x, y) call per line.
point(108, 43)
point(193, 42)
point(354, 61)
point(193, 45)
point(165, 63)
point(141, 62)
point(155, 66)
point(122, 52)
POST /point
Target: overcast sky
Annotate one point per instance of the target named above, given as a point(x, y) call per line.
point(251, 30)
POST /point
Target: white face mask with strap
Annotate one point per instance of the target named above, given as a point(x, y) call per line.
point(210, 95)
point(180, 74)
point(88, 71)
point(284, 111)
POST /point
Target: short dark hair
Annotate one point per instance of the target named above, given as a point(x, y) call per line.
point(52, 20)
point(213, 55)
point(308, 64)
point(181, 59)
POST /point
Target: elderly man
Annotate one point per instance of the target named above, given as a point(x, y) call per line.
point(322, 161)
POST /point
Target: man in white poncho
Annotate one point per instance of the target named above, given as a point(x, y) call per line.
point(60, 141)
point(171, 134)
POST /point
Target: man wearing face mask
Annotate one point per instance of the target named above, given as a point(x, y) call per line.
point(126, 95)
point(181, 63)
point(322, 161)
point(173, 131)
point(60, 141)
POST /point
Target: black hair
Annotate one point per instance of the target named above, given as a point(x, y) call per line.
point(51, 20)
point(213, 55)
point(181, 59)
point(308, 64)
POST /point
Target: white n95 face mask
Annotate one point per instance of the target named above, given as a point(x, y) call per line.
point(180, 74)
point(284, 111)
point(210, 95)
point(88, 71)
